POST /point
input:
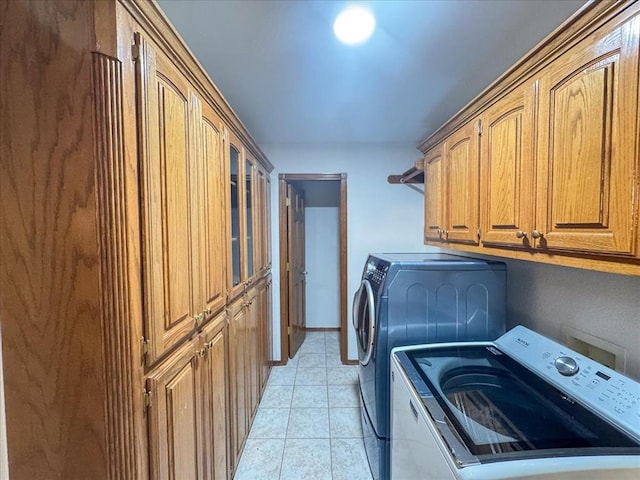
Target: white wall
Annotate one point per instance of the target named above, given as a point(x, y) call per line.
point(547, 297)
point(380, 217)
point(322, 258)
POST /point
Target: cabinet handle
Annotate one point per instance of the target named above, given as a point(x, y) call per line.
point(521, 234)
point(209, 345)
point(201, 352)
point(537, 234)
point(198, 319)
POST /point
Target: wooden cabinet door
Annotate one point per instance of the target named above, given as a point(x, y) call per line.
point(251, 353)
point(267, 331)
point(249, 214)
point(173, 419)
point(214, 369)
point(588, 126)
point(462, 157)
point(166, 188)
point(237, 383)
point(261, 220)
point(235, 230)
point(508, 170)
point(434, 194)
point(267, 235)
point(263, 313)
point(213, 241)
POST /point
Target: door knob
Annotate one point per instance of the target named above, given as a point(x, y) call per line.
point(521, 234)
point(537, 234)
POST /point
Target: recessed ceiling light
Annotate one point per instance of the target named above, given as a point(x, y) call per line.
point(354, 25)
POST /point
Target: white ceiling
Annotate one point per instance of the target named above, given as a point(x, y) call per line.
point(291, 82)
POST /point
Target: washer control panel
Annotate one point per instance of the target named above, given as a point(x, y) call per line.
point(611, 394)
point(567, 366)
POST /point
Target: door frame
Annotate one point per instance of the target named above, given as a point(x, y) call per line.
point(283, 180)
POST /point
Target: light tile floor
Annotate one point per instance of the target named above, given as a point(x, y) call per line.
point(308, 422)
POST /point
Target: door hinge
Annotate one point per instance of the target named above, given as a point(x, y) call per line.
point(135, 52)
point(289, 330)
point(288, 202)
point(144, 346)
point(288, 266)
point(479, 128)
point(146, 398)
point(479, 232)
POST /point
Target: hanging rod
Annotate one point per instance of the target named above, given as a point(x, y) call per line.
point(415, 175)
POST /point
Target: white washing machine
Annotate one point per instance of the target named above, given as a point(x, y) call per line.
point(521, 407)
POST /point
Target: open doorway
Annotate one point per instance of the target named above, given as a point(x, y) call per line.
point(313, 258)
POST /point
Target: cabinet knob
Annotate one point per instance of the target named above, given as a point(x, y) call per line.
point(537, 234)
point(521, 234)
point(201, 352)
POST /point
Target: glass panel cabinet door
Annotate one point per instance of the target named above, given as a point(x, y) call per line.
point(234, 167)
point(248, 172)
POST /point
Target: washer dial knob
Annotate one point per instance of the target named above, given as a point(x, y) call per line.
point(567, 366)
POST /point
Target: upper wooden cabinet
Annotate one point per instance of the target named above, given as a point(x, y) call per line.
point(212, 219)
point(451, 187)
point(588, 128)
point(169, 178)
point(462, 166)
point(434, 194)
point(558, 152)
point(182, 148)
point(247, 203)
point(507, 169)
point(250, 216)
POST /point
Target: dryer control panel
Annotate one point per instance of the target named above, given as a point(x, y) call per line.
point(603, 390)
point(375, 271)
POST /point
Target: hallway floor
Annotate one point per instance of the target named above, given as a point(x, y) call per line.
point(308, 422)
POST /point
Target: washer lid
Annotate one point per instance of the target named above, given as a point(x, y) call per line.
point(497, 408)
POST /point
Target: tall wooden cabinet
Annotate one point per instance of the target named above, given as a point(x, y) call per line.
point(124, 253)
point(559, 151)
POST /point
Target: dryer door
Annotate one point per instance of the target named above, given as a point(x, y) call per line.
point(364, 314)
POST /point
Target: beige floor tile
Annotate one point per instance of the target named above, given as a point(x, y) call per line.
point(311, 376)
point(308, 423)
point(277, 396)
point(349, 460)
point(343, 395)
point(345, 423)
point(347, 375)
point(270, 423)
point(261, 460)
point(306, 459)
point(309, 396)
